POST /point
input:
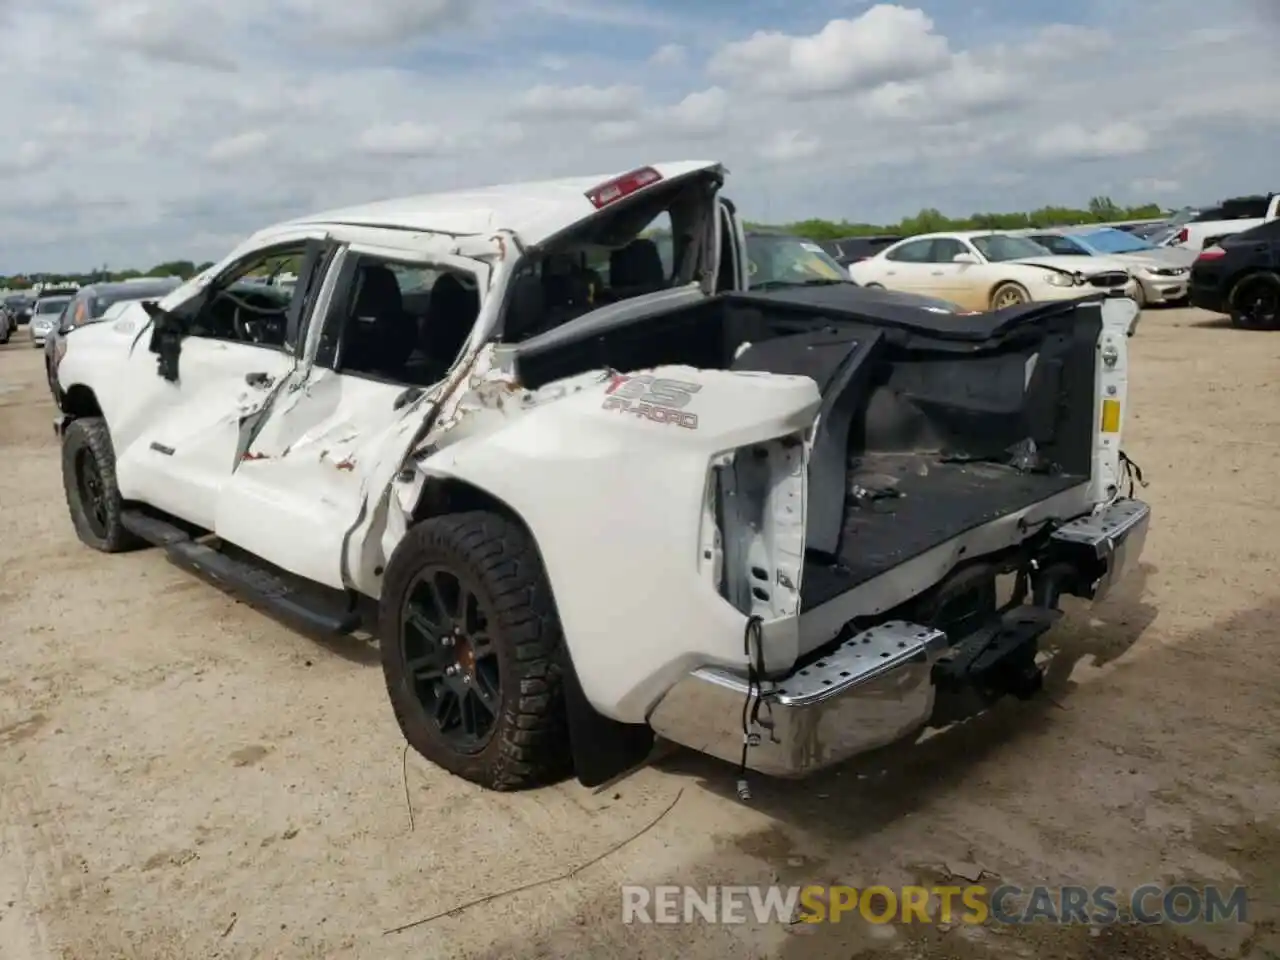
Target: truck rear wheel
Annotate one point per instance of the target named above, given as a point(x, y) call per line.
point(89, 481)
point(470, 652)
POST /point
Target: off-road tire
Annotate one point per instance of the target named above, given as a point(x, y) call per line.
point(1000, 292)
point(529, 745)
point(89, 436)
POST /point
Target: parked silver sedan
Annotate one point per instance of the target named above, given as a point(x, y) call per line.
point(1163, 273)
point(44, 318)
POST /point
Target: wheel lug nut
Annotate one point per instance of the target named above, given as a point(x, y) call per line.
point(450, 671)
point(466, 679)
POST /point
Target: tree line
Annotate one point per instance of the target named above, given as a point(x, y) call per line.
point(1099, 210)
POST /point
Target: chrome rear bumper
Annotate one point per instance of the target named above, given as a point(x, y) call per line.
point(874, 688)
point(1114, 537)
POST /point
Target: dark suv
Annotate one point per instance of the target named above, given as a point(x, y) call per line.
point(1239, 275)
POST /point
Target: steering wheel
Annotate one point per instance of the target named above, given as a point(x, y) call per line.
point(253, 323)
point(247, 327)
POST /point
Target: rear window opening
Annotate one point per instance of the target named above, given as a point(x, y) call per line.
point(659, 240)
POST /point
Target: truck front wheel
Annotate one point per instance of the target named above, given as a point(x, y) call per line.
point(89, 481)
point(470, 652)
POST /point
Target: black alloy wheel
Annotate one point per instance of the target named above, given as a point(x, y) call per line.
point(450, 658)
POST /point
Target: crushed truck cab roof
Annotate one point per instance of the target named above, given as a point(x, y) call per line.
point(533, 211)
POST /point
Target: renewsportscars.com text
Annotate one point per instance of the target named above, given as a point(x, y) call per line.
point(971, 904)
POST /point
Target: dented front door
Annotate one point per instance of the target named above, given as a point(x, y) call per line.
point(326, 452)
point(179, 460)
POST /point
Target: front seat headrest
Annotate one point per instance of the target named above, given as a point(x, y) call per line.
point(450, 317)
point(638, 264)
point(377, 293)
point(526, 308)
point(387, 335)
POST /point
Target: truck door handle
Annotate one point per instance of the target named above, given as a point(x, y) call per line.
point(257, 379)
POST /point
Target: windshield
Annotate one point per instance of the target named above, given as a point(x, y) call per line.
point(790, 260)
point(1116, 241)
point(54, 305)
point(998, 247)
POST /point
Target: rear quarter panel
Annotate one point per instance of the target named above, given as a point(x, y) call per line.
point(614, 502)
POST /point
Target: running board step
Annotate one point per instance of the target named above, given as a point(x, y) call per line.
point(250, 582)
point(159, 533)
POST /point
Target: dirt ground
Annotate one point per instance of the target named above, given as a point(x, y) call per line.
point(183, 777)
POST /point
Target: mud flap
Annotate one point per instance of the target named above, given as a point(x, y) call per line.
point(602, 747)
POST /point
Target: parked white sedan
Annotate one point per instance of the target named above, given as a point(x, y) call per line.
point(984, 270)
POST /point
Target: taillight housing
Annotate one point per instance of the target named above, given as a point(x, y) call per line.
point(1212, 253)
point(614, 190)
point(1183, 236)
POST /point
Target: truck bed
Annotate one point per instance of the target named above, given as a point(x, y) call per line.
point(930, 405)
point(901, 505)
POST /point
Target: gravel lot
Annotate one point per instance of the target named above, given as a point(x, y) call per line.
point(182, 777)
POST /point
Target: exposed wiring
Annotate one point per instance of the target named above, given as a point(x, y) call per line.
point(751, 704)
point(479, 901)
point(1132, 472)
point(404, 769)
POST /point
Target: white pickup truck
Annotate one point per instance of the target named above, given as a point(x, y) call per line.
point(582, 498)
point(1210, 225)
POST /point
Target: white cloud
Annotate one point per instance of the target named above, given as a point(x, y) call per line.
point(380, 22)
point(26, 156)
point(968, 84)
point(700, 114)
point(1075, 141)
point(887, 43)
point(1065, 41)
point(788, 145)
point(1145, 185)
point(404, 139)
point(668, 55)
point(204, 123)
point(617, 131)
point(241, 146)
point(580, 102)
point(164, 32)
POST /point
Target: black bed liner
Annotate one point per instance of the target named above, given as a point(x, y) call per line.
point(900, 506)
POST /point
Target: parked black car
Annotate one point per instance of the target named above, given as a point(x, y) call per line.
point(1240, 276)
point(18, 306)
point(852, 249)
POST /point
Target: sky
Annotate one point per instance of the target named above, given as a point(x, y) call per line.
point(141, 131)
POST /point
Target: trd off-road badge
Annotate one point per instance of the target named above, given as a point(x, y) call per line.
point(662, 401)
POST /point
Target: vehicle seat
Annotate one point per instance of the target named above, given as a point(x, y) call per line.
point(451, 317)
point(381, 336)
point(526, 308)
point(636, 268)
